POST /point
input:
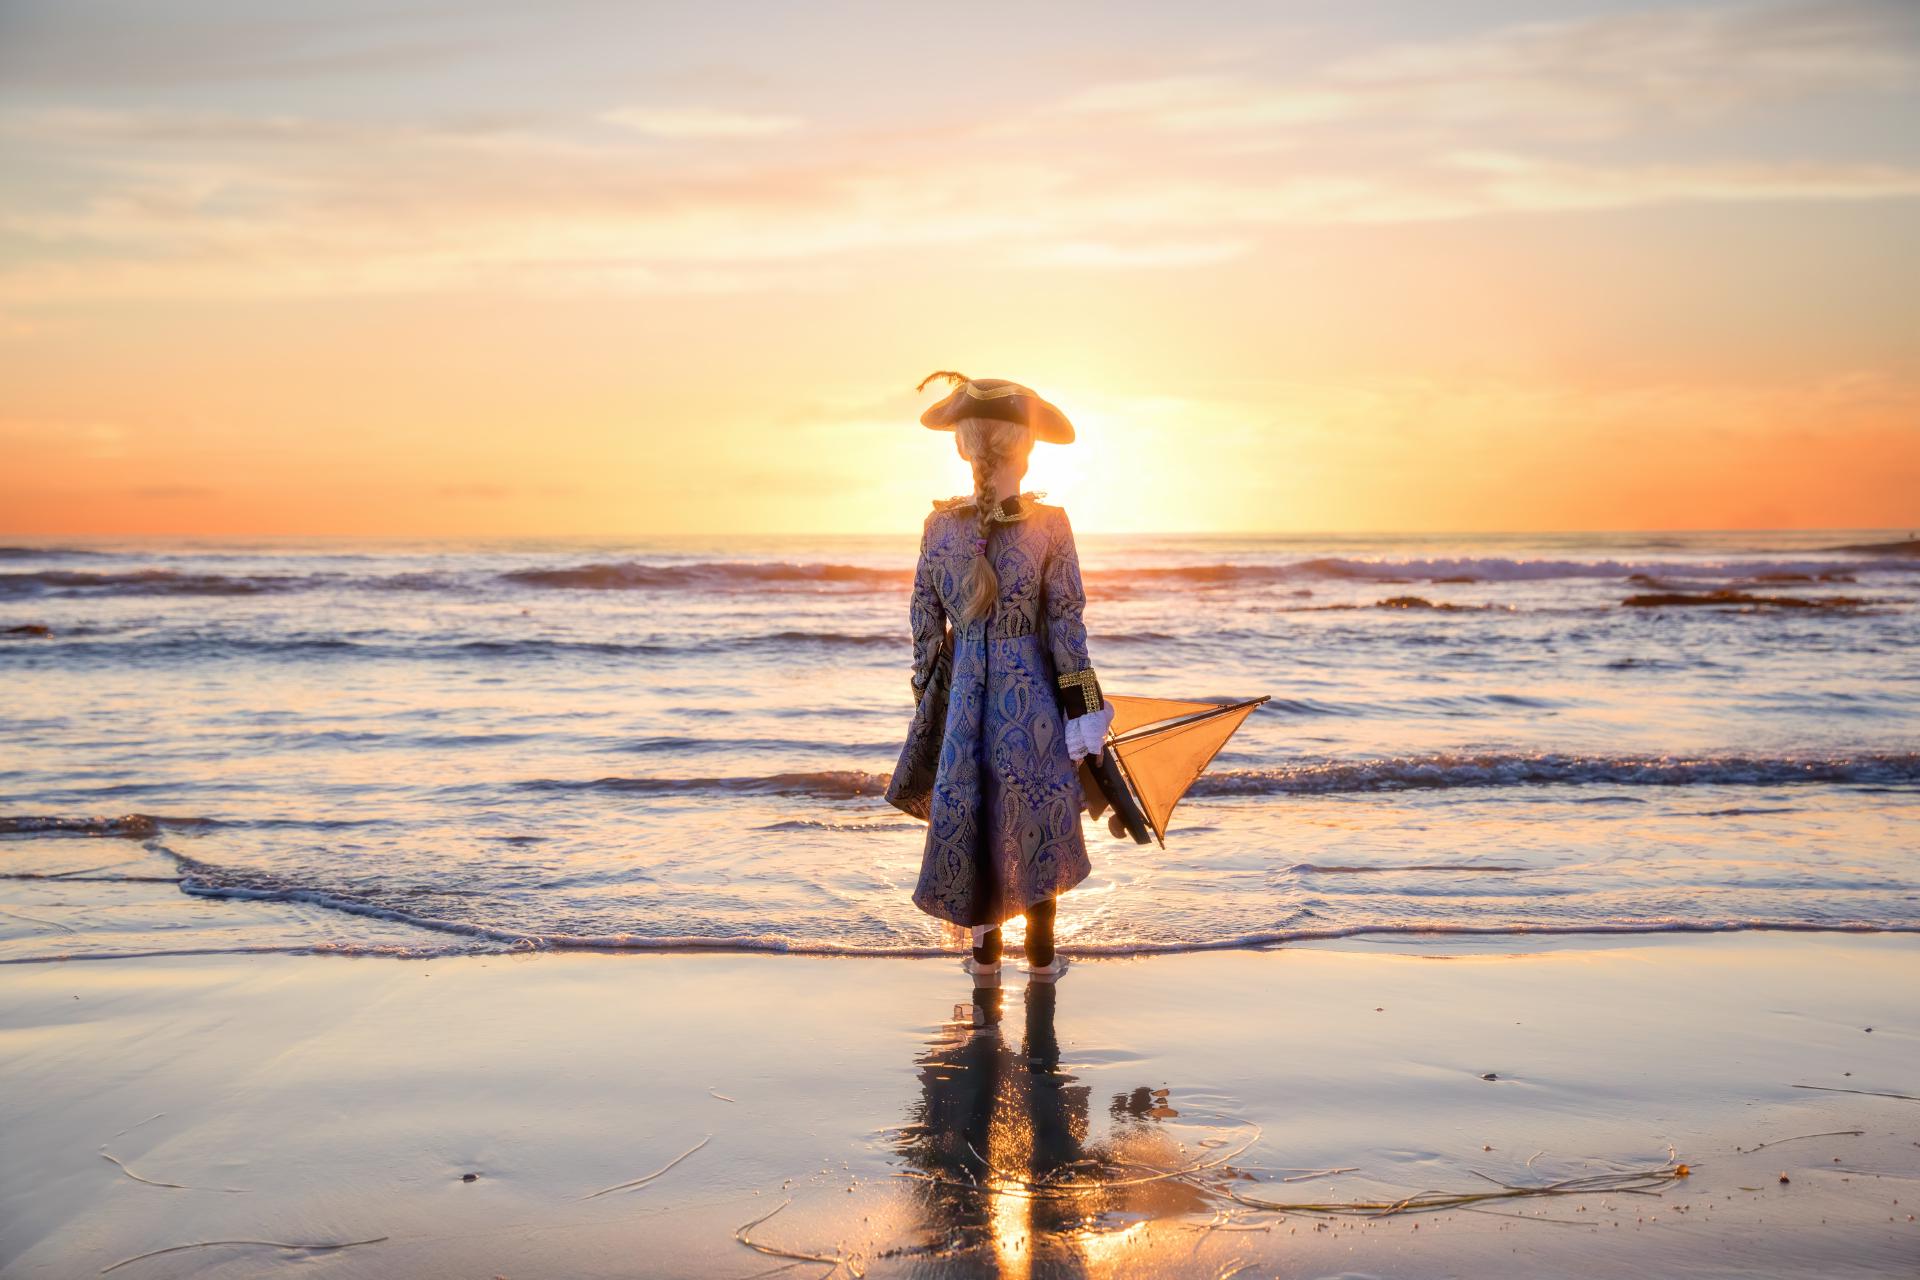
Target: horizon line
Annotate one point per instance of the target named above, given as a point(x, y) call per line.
point(1909, 531)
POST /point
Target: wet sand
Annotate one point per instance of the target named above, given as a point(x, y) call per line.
point(461, 1115)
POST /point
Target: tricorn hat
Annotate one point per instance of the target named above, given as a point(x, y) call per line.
point(998, 399)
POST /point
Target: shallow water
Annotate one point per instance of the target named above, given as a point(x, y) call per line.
point(422, 747)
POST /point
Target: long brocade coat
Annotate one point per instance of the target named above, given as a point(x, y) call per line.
point(1001, 797)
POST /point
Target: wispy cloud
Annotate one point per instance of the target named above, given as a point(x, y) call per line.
point(93, 441)
point(701, 123)
point(484, 491)
point(1594, 77)
point(1182, 171)
point(1101, 253)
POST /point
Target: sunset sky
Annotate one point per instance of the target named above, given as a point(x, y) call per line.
point(632, 268)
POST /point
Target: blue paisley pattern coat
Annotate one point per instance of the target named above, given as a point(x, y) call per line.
point(1003, 807)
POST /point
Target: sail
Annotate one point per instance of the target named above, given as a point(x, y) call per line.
point(1160, 763)
point(1130, 713)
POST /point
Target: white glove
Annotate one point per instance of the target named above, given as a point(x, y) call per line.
point(1087, 735)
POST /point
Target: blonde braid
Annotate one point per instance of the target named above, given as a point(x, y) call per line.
point(983, 584)
point(987, 443)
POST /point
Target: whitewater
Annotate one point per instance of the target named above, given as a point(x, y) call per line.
point(418, 748)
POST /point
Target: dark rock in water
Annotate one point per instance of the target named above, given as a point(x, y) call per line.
point(1726, 598)
point(1458, 578)
point(1489, 1076)
point(469, 1177)
point(1782, 577)
point(1909, 547)
point(27, 629)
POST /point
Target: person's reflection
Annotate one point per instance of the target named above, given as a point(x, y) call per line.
point(1001, 1137)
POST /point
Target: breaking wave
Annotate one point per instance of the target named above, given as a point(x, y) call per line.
point(826, 784)
point(46, 553)
point(133, 826)
point(1408, 773)
point(818, 824)
point(637, 575)
point(149, 582)
point(746, 575)
point(1502, 569)
point(108, 644)
point(1517, 770)
point(641, 575)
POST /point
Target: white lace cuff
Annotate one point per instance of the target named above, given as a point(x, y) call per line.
point(1087, 735)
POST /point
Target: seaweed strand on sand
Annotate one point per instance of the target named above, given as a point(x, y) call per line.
point(121, 1165)
point(324, 1247)
point(643, 1181)
point(835, 1260)
point(1635, 1182)
point(1865, 1093)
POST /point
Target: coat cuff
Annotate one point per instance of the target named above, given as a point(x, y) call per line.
point(1087, 735)
point(1079, 693)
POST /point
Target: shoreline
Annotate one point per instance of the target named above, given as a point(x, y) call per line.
point(1422, 935)
point(48, 918)
point(327, 1104)
point(1361, 936)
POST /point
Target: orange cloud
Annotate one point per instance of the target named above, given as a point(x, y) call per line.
point(1647, 267)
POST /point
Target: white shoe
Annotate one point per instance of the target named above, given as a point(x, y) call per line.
point(1048, 972)
point(986, 974)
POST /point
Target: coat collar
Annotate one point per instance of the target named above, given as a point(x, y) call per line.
point(1015, 507)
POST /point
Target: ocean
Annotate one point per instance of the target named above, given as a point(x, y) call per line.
point(423, 748)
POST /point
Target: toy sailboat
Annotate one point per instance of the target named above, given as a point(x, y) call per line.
point(1155, 749)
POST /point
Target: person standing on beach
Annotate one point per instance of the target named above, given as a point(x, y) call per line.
point(1007, 700)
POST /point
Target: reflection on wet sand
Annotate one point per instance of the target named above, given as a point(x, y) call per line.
point(1010, 1180)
